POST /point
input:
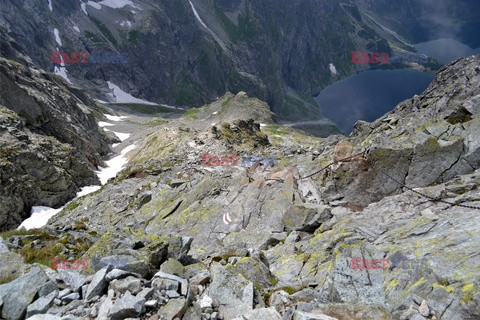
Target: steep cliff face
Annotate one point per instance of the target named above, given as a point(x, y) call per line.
point(190, 52)
point(49, 143)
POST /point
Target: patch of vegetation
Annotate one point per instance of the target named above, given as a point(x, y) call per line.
point(22, 232)
point(104, 30)
point(156, 122)
point(132, 37)
point(190, 91)
point(146, 108)
point(41, 255)
point(468, 292)
point(191, 112)
point(94, 38)
point(72, 205)
point(8, 279)
point(246, 29)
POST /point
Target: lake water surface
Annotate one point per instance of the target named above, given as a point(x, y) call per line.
point(369, 95)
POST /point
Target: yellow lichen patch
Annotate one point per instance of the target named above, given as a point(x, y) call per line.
point(449, 289)
point(392, 285)
point(419, 282)
point(468, 292)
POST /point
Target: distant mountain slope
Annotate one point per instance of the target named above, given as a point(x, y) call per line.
point(190, 52)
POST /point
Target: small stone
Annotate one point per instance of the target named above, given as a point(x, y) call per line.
point(165, 284)
point(172, 266)
point(47, 288)
point(130, 283)
point(206, 302)
point(151, 303)
point(94, 312)
point(172, 294)
point(173, 309)
point(63, 293)
point(127, 306)
point(117, 274)
point(145, 293)
point(71, 297)
point(423, 309)
point(42, 304)
point(98, 284)
point(72, 279)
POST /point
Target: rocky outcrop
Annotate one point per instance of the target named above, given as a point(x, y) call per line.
point(49, 142)
point(339, 228)
point(426, 140)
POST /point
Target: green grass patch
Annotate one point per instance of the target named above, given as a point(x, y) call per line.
point(22, 232)
point(94, 38)
point(104, 30)
point(72, 205)
point(146, 108)
point(42, 255)
point(156, 122)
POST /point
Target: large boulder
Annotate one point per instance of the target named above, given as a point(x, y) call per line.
point(19, 293)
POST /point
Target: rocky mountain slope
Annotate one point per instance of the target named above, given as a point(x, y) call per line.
point(49, 143)
point(187, 53)
point(318, 235)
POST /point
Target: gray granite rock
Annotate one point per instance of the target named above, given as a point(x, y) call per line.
point(19, 293)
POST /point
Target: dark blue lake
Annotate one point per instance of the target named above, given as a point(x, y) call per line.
point(369, 95)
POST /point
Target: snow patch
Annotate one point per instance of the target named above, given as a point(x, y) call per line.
point(57, 37)
point(39, 217)
point(84, 8)
point(87, 190)
point(121, 96)
point(197, 15)
point(120, 135)
point(76, 28)
point(62, 71)
point(215, 112)
point(126, 23)
point(94, 4)
point(104, 124)
point(114, 165)
point(333, 70)
point(116, 4)
point(115, 118)
point(50, 5)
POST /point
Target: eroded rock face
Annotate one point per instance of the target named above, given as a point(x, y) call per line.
point(49, 143)
point(426, 140)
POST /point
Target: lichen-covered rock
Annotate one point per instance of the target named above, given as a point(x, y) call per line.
point(49, 143)
point(19, 293)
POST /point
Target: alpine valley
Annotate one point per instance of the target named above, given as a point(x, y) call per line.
point(107, 211)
